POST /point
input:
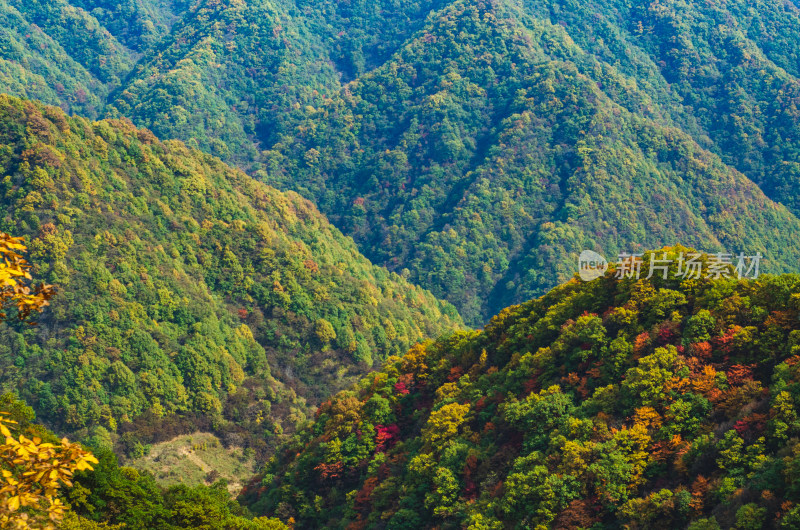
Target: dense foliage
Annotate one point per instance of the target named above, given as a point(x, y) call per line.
point(106, 496)
point(471, 146)
point(477, 144)
point(32, 470)
point(33, 473)
point(183, 285)
point(225, 78)
point(610, 404)
point(17, 289)
point(233, 76)
point(492, 148)
point(75, 53)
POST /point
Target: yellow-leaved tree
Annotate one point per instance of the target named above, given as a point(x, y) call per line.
point(16, 287)
point(32, 473)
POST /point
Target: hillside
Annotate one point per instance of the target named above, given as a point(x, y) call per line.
point(479, 145)
point(485, 178)
point(223, 76)
point(59, 53)
point(197, 458)
point(109, 494)
point(226, 78)
point(608, 404)
point(283, 195)
point(184, 289)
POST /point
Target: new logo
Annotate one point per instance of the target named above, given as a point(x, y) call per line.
point(591, 265)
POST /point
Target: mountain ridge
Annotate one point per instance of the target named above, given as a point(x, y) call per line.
point(663, 403)
point(329, 101)
point(254, 288)
point(404, 144)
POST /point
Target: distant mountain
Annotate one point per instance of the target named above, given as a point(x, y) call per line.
point(727, 73)
point(609, 404)
point(184, 287)
point(227, 75)
point(233, 76)
point(223, 76)
point(490, 150)
point(480, 144)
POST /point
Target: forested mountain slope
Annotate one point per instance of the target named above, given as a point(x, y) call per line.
point(229, 74)
point(480, 144)
point(732, 66)
point(483, 158)
point(608, 404)
point(222, 75)
point(184, 287)
point(107, 496)
point(233, 76)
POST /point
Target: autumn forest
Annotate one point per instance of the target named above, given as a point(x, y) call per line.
point(293, 264)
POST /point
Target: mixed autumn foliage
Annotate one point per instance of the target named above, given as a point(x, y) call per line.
point(492, 147)
point(616, 403)
point(52, 483)
point(185, 288)
point(47, 483)
point(33, 473)
point(472, 145)
point(33, 470)
point(17, 289)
